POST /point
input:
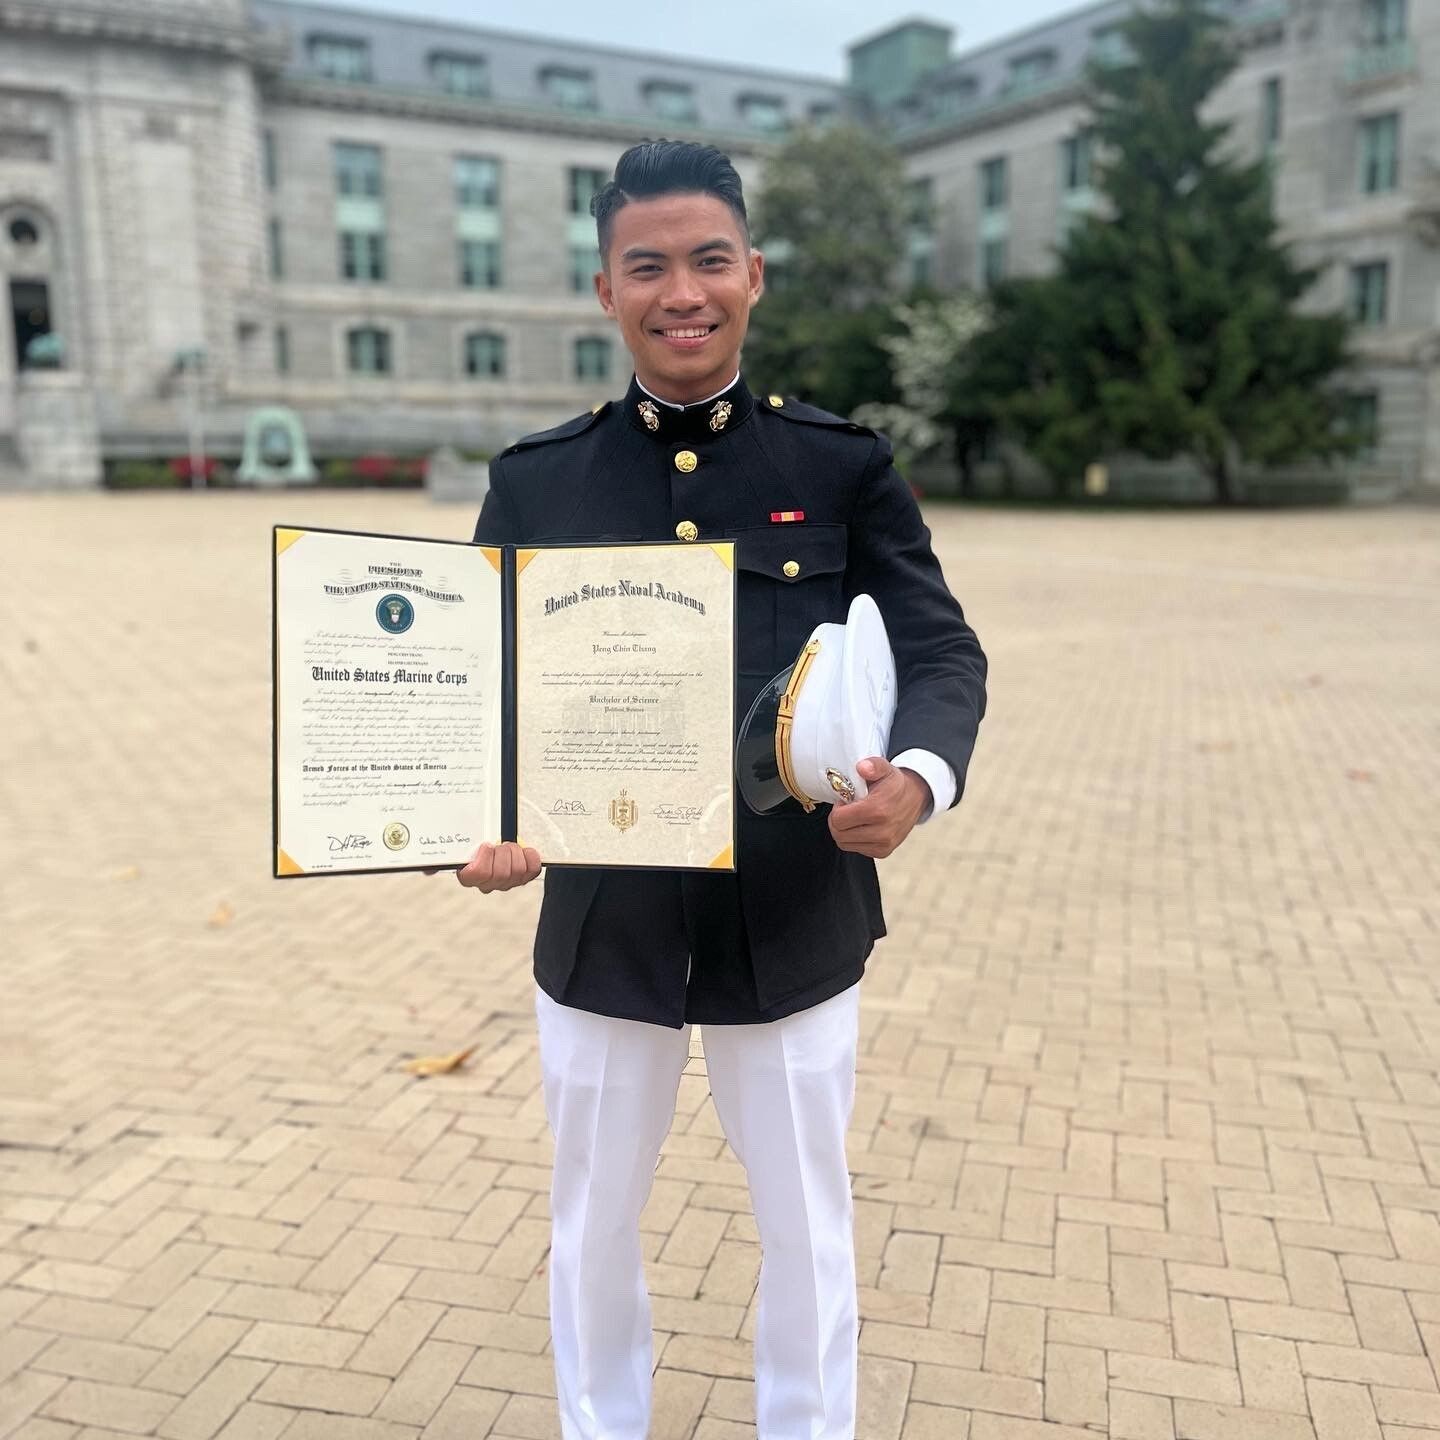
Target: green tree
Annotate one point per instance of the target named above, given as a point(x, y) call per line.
point(1170, 327)
point(830, 218)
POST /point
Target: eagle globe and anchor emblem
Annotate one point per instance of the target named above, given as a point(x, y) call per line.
point(624, 812)
point(395, 614)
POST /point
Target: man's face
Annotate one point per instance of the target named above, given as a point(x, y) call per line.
point(680, 279)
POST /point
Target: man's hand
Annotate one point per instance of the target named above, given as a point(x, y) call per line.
point(876, 825)
point(500, 867)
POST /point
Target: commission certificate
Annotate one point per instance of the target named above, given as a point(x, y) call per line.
point(430, 695)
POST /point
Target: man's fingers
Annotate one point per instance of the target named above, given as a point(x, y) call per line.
point(875, 768)
point(532, 862)
point(504, 864)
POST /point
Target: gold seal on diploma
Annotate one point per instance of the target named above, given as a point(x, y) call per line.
point(396, 835)
point(624, 812)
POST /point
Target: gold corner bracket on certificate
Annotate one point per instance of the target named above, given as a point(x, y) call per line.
point(387, 702)
point(625, 704)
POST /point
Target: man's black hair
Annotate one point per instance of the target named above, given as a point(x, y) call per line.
point(667, 167)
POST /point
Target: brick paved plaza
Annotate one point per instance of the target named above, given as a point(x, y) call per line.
point(1147, 1141)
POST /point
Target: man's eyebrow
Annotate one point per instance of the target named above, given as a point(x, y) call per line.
point(640, 252)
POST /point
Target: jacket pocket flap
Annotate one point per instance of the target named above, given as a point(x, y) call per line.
point(790, 553)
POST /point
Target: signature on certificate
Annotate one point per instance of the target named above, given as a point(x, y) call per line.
point(339, 843)
point(447, 839)
point(677, 814)
point(569, 807)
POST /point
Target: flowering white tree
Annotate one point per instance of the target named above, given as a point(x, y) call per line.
point(928, 357)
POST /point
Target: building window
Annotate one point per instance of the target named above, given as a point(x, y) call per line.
point(570, 89)
point(822, 114)
point(1362, 413)
point(362, 254)
point(1108, 46)
point(480, 264)
point(920, 208)
point(671, 101)
point(592, 359)
point(340, 57)
point(953, 95)
point(282, 350)
point(369, 350)
point(763, 112)
point(1076, 154)
point(583, 186)
point(1370, 292)
point(1029, 70)
point(357, 170)
point(269, 159)
point(994, 260)
point(1379, 154)
point(277, 249)
point(460, 74)
point(1272, 111)
point(1382, 22)
point(485, 354)
point(994, 184)
point(920, 205)
point(477, 182)
point(584, 262)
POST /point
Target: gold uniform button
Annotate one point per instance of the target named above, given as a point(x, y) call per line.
point(776, 401)
point(791, 568)
point(687, 530)
point(686, 461)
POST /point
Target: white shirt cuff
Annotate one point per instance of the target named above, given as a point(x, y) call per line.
point(935, 772)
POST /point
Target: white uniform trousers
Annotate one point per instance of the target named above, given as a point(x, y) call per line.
point(784, 1092)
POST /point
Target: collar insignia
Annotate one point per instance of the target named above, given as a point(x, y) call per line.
point(649, 414)
point(719, 414)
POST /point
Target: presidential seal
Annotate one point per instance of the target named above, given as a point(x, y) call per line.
point(624, 812)
point(395, 614)
point(395, 835)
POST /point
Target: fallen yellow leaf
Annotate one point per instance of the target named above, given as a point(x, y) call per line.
point(224, 913)
point(424, 1065)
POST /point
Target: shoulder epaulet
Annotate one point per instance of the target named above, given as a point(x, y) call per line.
point(568, 431)
point(789, 408)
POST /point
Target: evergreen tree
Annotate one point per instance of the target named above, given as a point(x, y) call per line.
point(1170, 327)
point(830, 219)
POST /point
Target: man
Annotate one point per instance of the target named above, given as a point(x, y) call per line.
point(768, 958)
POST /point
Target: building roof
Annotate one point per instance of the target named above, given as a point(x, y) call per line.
point(401, 49)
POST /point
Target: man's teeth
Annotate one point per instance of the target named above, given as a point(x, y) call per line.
point(693, 333)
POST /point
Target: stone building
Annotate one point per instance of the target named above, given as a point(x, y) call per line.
point(211, 205)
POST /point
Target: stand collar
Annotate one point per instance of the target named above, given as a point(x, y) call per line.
point(716, 416)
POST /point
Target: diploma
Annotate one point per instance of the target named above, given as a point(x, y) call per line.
point(625, 700)
point(387, 666)
point(430, 695)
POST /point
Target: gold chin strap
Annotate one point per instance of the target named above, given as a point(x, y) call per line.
point(785, 721)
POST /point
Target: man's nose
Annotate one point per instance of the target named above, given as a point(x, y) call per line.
point(682, 292)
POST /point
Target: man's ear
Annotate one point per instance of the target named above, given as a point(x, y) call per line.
point(757, 275)
point(603, 292)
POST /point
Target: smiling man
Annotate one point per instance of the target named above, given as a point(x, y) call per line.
point(767, 959)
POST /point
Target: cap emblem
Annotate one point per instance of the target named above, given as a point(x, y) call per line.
point(720, 414)
point(650, 415)
point(843, 787)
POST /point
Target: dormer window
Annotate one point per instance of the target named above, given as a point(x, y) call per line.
point(459, 74)
point(1030, 69)
point(570, 89)
point(340, 57)
point(671, 100)
point(763, 112)
point(954, 94)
